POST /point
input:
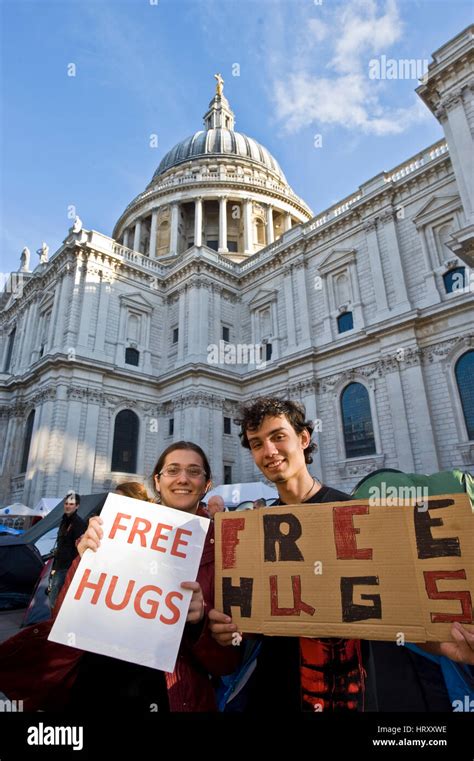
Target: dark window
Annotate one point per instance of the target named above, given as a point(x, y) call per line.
point(227, 424)
point(225, 334)
point(268, 352)
point(455, 279)
point(132, 356)
point(345, 322)
point(171, 426)
point(357, 421)
point(175, 335)
point(124, 452)
point(30, 421)
point(227, 474)
point(465, 380)
point(214, 244)
point(8, 359)
point(232, 246)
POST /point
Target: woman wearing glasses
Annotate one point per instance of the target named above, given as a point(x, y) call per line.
point(181, 477)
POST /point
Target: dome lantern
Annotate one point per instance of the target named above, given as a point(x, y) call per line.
point(220, 114)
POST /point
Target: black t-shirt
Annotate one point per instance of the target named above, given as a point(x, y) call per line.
point(276, 682)
point(325, 494)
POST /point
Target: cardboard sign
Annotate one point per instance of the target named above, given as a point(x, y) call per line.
point(125, 599)
point(348, 569)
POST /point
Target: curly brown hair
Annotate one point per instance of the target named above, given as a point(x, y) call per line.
point(251, 415)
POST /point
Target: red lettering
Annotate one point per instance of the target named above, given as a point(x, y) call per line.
point(137, 531)
point(298, 604)
point(174, 610)
point(177, 541)
point(111, 590)
point(229, 531)
point(345, 533)
point(159, 535)
point(152, 603)
point(431, 577)
point(85, 584)
point(117, 525)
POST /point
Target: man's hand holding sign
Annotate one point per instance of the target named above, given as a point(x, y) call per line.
point(131, 596)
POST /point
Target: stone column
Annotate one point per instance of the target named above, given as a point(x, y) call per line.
point(58, 335)
point(421, 418)
point(54, 318)
point(153, 231)
point(104, 297)
point(40, 463)
point(181, 322)
point(287, 222)
point(290, 311)
point(270, 231)
point(25, 334)
point(174, 228)
point(90, 285)
point(403, 302)
point(223, 225)
point(460, 143)
point(303, 303)
point(376, 270)
point(309, 400)
point(248, 227)
point(432, 295)
point(126, 233)
point(198, 222)
point(71, 433)
point(89, 443)
point(29, 338)
point(137, 235)
point(398, 410)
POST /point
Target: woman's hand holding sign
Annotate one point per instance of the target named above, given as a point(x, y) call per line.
point(196, 606)
point(91, 539)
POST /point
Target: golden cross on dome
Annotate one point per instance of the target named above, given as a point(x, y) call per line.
point(219, 85)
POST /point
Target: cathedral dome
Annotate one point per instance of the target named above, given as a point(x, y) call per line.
point(219, 142)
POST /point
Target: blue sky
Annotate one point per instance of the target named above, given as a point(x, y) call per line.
point(144, 68)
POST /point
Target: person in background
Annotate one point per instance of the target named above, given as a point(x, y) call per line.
point(70, 530)
point(259, 503)
point(215, 505)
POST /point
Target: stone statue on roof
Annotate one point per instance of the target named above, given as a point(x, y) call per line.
point(219, 85)
point(25, 260)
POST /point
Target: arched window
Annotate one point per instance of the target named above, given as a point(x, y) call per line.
point(455, 279)
point(30, 421)
point(132, 356)
point(465, 379)
point(345, 322)
point(358, 430)
point(124, 452)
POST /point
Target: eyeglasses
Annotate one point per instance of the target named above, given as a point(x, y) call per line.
point(193, 471)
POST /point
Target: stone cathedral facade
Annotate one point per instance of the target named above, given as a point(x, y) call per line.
point(218, 284)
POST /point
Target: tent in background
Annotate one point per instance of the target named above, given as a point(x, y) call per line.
point(45, 505)
point(16, 509)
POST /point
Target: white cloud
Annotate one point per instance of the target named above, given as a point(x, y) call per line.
point(346, 96)
point(318, 29)
point(363, 32)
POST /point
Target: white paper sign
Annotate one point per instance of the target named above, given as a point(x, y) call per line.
point(125, 599)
